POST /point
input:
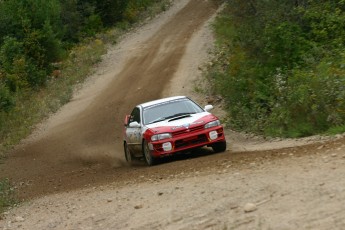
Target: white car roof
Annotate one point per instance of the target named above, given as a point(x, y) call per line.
point(150, 103)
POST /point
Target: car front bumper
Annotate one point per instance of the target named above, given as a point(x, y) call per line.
point(187, 141)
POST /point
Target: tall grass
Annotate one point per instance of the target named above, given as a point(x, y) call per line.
point(7, 197)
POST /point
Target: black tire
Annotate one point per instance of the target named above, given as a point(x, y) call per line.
point(149, 159)
point(128, 155)
point(219, 147)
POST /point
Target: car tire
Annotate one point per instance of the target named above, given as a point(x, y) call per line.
point(150, 160)
point(219, 147)
point(128, 154)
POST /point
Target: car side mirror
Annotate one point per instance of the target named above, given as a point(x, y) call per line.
point(134, 124)
point(208, 108)
point(127, 119)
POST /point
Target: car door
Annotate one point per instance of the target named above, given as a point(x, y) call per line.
point(133, 132)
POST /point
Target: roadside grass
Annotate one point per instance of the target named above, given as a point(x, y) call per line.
point(269, 91)
point(32, 107)
point(336, 130)
point(7, 194)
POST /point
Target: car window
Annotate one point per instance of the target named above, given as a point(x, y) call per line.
point(135, 115)
point(163, 110)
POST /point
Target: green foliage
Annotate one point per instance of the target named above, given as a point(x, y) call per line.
point(6, 195)
point(134, 8)
point(31, 107)
point(12, 64)
point(280, 65)
point(35, 33)
point(93, 24)
point(6, 99)
point(336, 130)
point(325, 22)
point(28, 41)
point(37, 75)
point(112, 12)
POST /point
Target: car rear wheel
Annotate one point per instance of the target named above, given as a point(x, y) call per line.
point(128, 155)
point(150, 160)
point(219, 147)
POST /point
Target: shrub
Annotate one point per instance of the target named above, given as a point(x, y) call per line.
point(12, 64)
point(6, 99)
point(280, 66)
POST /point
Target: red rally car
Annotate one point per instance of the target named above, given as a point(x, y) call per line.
point(170, 125)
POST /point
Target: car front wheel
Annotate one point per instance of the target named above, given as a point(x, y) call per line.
point(150, 160)
point(219, 147)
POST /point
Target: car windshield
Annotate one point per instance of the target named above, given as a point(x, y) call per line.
point(170, 110)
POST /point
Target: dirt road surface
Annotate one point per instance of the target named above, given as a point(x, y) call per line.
point(72, 175)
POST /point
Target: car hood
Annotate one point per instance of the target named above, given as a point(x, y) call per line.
point(182, 123)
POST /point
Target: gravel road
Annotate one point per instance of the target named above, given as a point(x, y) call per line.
point(71, 172)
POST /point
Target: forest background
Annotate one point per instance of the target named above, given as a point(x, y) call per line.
point(280, 66)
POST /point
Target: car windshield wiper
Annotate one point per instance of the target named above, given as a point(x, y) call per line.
point(157, 120)
point(172, 117)
point(178, 116)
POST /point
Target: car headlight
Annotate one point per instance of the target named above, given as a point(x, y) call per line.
point(212, 124)
point(161, 136)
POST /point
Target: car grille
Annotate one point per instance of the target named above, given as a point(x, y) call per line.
point(191, 140)
point(188, 130)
